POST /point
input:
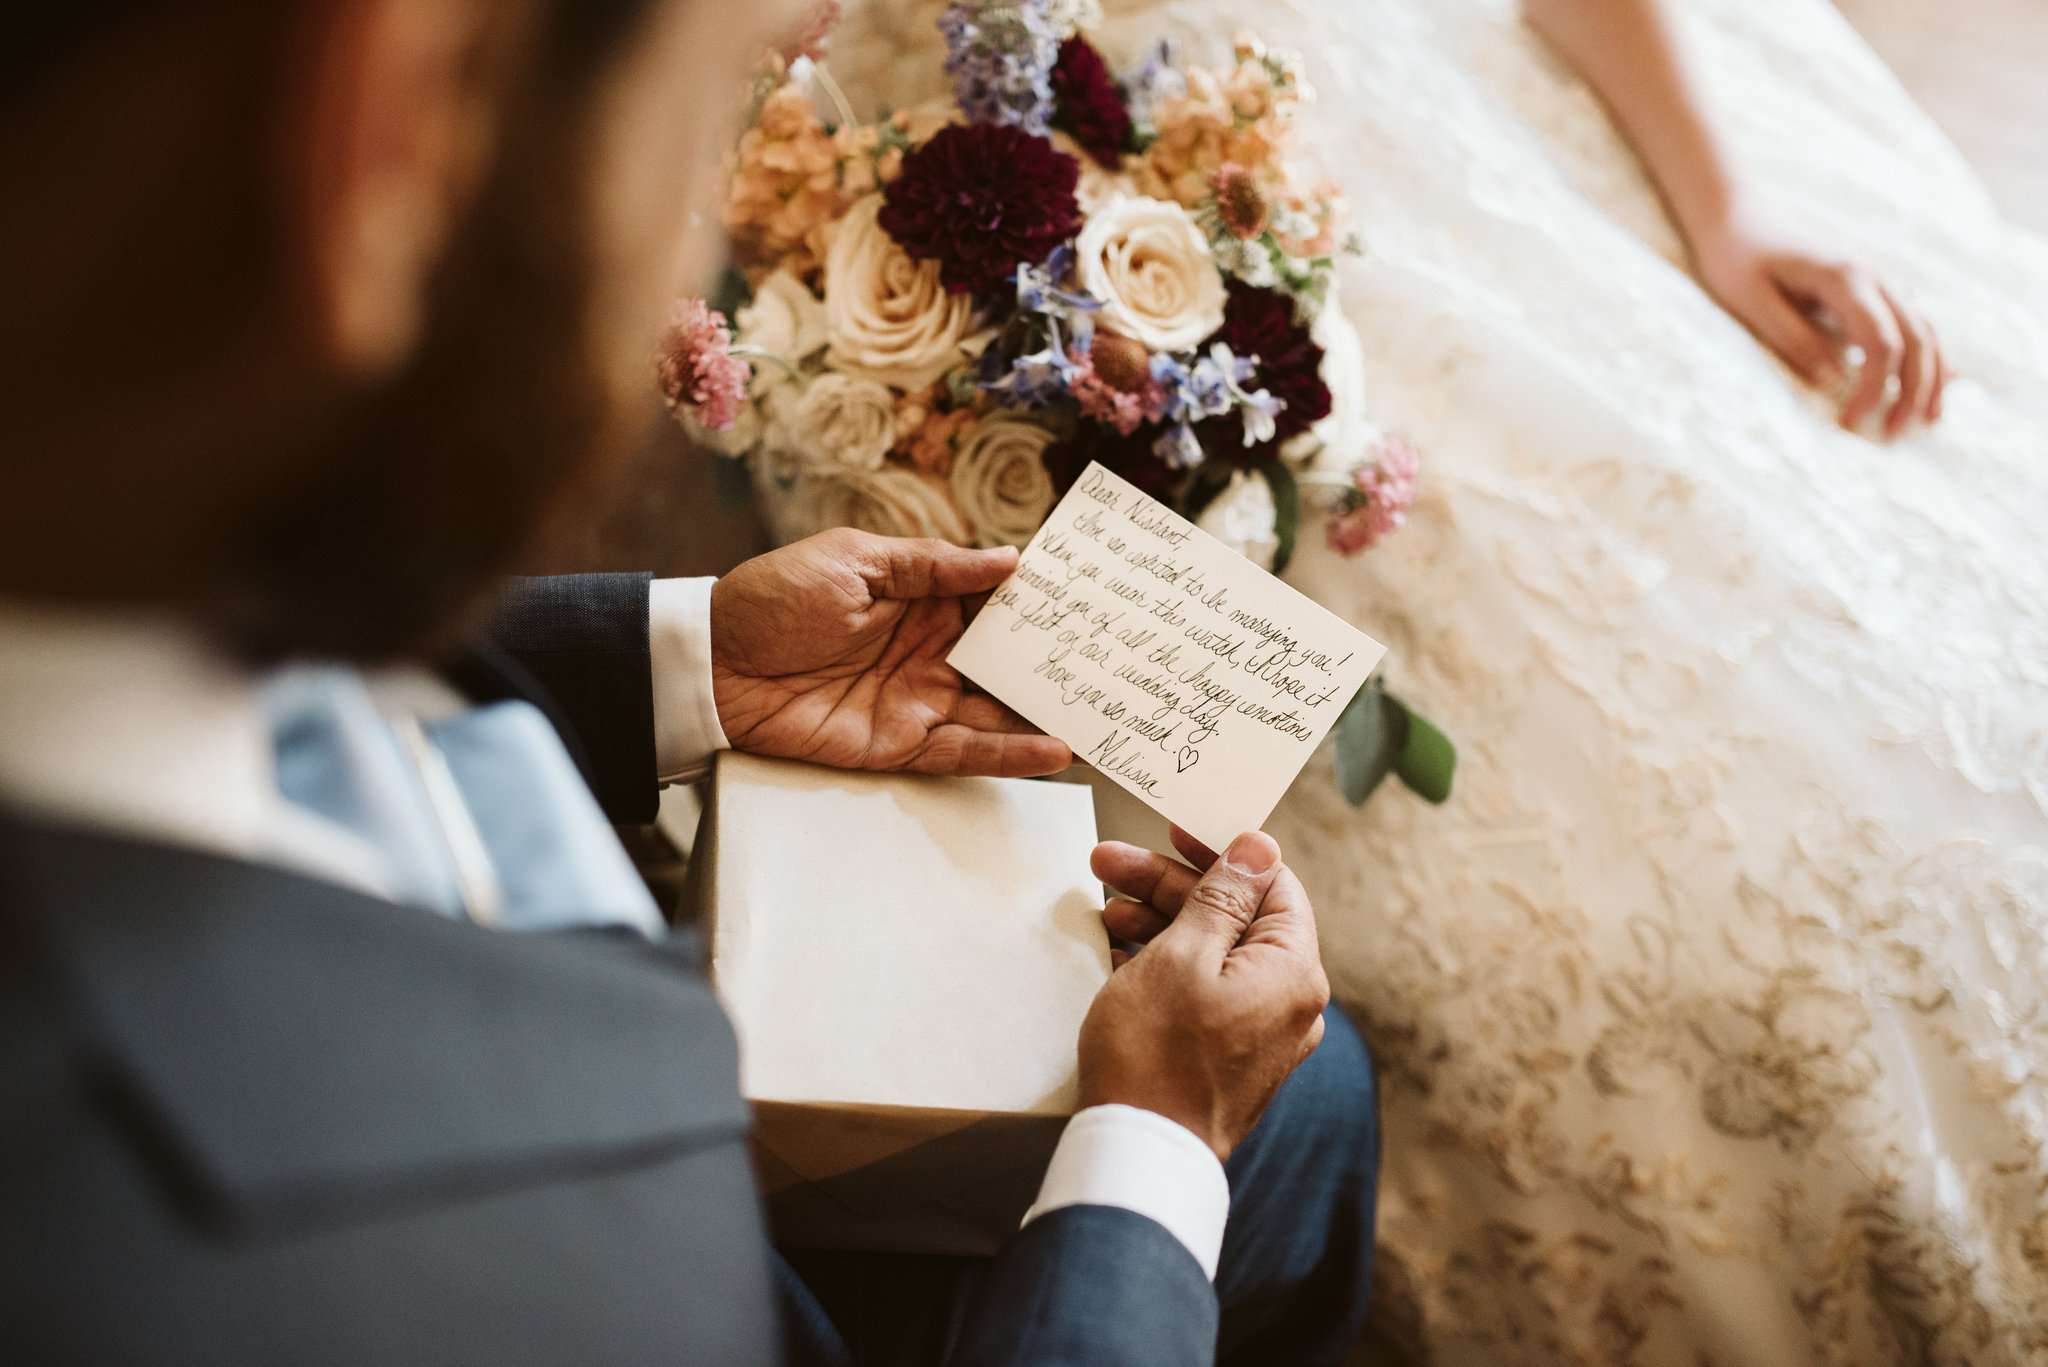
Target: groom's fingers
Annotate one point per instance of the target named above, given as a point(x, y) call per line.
point(1134, 921)
point(920, 567)
point(1191, 849)
point(964, 752)
point(1143, 875)
point(983, 713)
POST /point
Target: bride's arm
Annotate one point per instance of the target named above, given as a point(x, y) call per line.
point(1771, 279)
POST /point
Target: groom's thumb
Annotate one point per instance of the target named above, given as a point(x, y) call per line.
point(920, 567)
point(1220, 906)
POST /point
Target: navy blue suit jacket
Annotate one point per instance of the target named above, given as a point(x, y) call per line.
point(249, 1117)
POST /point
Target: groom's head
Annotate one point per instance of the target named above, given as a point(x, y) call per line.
point(321, 313)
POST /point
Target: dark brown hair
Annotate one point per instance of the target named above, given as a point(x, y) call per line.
point(37, 40)
point(423, 491)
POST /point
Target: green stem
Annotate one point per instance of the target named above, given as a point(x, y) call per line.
point(835, 94)
point(750, 353)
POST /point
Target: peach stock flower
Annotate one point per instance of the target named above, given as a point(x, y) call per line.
point(1243, 114)
point(785, 180)
point(934, 445)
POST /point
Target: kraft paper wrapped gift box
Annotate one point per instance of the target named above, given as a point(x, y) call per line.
point(907, 961)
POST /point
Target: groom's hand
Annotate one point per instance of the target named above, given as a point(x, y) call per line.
point(1226, 997)
point(834, 650)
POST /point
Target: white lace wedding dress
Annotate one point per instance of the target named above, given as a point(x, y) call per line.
point(1712, 1012)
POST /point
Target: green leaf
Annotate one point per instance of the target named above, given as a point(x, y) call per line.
point(1370, 735)
point(1210, 479)
point(1286, 510)
point(729, 482)
point(1428, 760)
point(731, 294)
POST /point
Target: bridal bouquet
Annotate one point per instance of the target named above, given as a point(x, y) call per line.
point(944, 315)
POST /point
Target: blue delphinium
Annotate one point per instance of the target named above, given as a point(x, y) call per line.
point(1148, 80)
point(1041, 378)
point(1037, 379)
point(1001, 56)
point(1208, 388)
point(1039, 289)
point(1260, 408)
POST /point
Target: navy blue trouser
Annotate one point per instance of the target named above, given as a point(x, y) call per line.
point(1297, 1254)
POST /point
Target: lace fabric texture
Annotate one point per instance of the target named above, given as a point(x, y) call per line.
point(1712, 1012)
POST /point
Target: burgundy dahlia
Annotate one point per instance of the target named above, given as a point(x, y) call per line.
point(1260, 322)
point(979, 198)
point(1088, 104)
point(1131, 456)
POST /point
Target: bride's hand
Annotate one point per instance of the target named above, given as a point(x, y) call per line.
point(834, 649)
point(1781, 287)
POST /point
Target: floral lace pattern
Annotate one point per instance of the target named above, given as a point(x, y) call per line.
point(1713, 1012)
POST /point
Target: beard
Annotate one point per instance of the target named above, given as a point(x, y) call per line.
point(494, 440)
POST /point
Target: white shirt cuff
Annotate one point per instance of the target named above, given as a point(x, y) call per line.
point(1140, 1161)
point(686, 729)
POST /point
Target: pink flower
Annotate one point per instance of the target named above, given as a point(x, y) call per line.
point(1124, 406)
point(1240, 202)
point(809, 41)
point(1245, 114)
point(1315, 220)
point(1377, 504)
point(696, 369)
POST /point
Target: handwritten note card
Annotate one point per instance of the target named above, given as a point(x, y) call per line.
point(1164, 658)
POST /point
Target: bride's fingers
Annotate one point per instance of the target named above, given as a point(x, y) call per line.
point(1941, 379)
point(1790, 333)
point(1868, 322)
point(1143, 875)
point(1849, 293)
point(1916, 367)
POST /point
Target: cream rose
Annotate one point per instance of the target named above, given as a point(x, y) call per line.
point(999, 480)
point(837, 423)
point(888, 318)
point(893, 501)
point(1150, 266)
point(1244, 518)
point(785, 320)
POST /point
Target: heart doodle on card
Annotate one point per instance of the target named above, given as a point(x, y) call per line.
point(1186, 759)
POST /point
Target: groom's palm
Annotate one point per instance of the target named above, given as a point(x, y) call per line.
point(833, 650)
